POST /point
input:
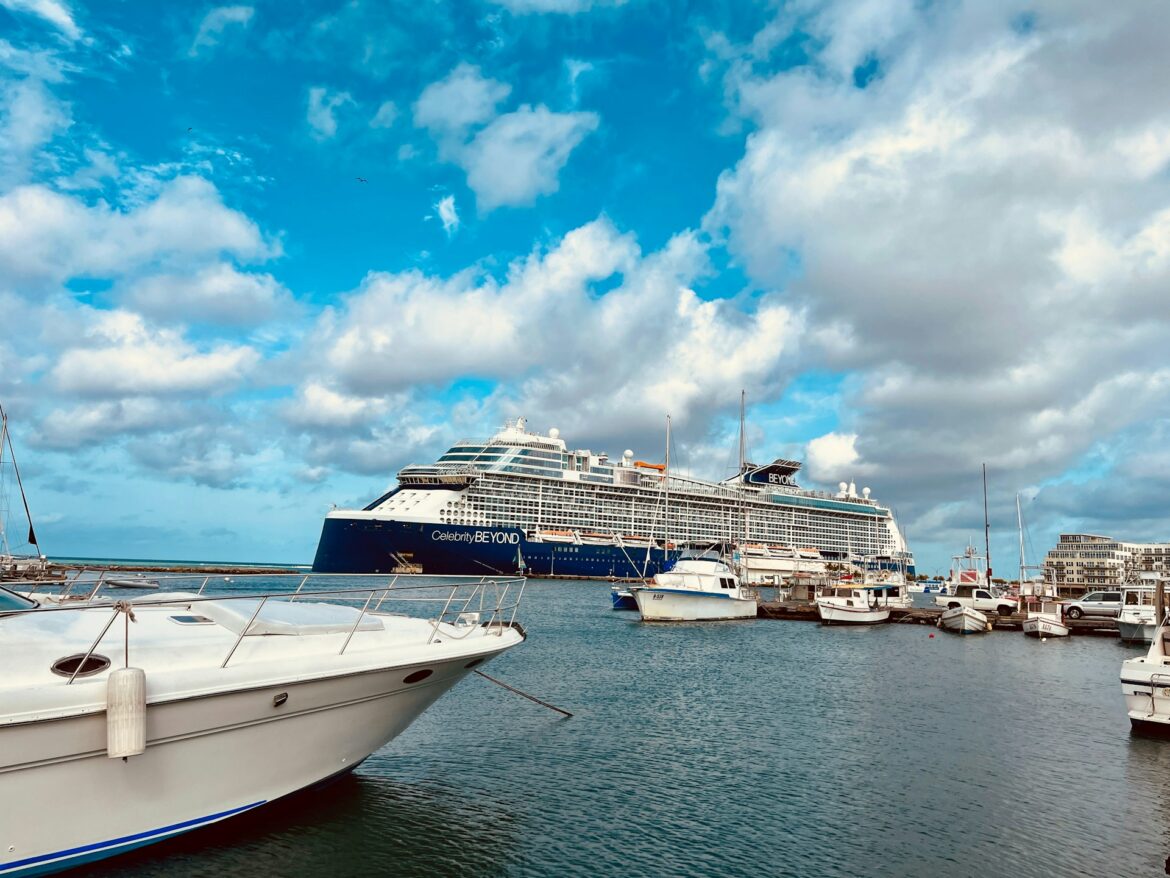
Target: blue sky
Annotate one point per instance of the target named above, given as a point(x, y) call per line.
point(921, 236)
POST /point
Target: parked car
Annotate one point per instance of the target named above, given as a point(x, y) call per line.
point(1095, 603)
point(977, 597)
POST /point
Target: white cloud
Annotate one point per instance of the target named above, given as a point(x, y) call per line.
point(386, 115)
point(520, 155)
point(448, 215)
point(92, 424)
point(47, 235)
point(52, 11)
point(597, 365)
point(30, 117)
point(833, 457)
point(215, 23)
point(121, 357)
point(320, 408)
point(979, 236)
point(463, 99)
point(322, 111)
point(218, 293)
point(564, 7)
point(510, 159)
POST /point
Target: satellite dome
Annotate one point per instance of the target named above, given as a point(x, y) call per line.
point(554, 433)
point(627, 454)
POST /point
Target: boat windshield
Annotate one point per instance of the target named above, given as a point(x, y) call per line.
point(10, 600)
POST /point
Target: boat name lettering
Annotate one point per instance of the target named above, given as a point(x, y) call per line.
point(478, 536)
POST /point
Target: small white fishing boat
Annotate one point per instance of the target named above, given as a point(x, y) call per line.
point(125, 723)
point(1045, 613)
point(847, 603)
point(963, 620)
point(138, 580)
point(695, 590)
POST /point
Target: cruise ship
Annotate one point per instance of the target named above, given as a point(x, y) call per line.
point(523, 502)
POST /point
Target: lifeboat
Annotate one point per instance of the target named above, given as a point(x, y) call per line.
point(661, 467)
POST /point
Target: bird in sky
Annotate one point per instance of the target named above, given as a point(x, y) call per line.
point(361, 179)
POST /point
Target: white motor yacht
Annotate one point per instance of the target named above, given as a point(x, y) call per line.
point(695, 590)
point(123, 723)
point(856, 604)
point(1145, 683)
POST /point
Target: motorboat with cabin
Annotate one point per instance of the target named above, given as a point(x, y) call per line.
point(1137, 620)
point(856, 603)
point(126, 722)
point(1044, 612)
point(1145, 680)
point(695, 590)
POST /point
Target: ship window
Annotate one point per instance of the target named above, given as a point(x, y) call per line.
point(417, 676)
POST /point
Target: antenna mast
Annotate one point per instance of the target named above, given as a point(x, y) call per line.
point(986, 526)
point(742, 433)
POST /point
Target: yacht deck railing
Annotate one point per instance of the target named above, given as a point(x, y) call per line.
point(467, 602)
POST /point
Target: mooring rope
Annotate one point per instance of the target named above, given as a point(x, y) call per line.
point(524, 694)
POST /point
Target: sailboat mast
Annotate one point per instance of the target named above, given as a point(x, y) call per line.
point(666, 485)
point(3, 506)
point(986, 526)
point(1020, 523)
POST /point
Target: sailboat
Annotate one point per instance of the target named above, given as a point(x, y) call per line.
point(14, 566)
point(1045, 613)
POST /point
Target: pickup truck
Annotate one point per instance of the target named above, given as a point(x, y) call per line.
point(977, 597)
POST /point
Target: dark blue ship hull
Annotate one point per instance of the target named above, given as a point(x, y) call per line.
point(366, 546)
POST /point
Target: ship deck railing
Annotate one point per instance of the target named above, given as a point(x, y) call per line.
point(467, 602)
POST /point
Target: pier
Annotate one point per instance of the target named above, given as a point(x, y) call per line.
point(800, 611)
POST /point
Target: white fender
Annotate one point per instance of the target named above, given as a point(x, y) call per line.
point(126, 713)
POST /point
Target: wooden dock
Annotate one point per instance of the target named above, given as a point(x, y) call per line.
point(805, 612)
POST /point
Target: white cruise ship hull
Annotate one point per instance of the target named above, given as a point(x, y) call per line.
point(667, 605)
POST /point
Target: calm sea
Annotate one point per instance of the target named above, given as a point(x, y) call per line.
point(748, 748)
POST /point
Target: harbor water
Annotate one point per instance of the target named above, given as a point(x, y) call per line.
point(726, 749)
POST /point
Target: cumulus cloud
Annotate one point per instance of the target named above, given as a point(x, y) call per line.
point(30, 117)
point(121, 357)
point(510, 159)
point(448, 215)
point(462, 99)
point(50, 236)
point(322, 112)
point(976, 228)
point(215, 23)
point(218, 293)
point(97, 423)
point(386, 115)
point(520, 155)
point(52, 11)
point(563, 7)
point(603, 365)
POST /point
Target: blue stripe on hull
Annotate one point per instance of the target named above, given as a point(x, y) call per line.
point(364, 546)
point(67, 859)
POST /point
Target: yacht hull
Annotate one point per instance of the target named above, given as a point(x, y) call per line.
point(1136, 632)
point(1035, 626)
point(835, 614)
point(207, 759)
point(963, 620)
point(665, 605)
